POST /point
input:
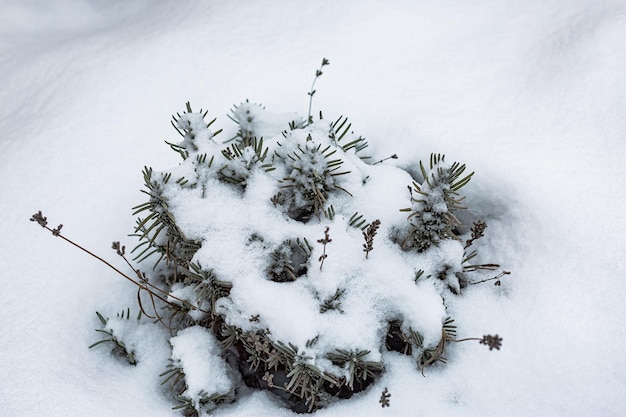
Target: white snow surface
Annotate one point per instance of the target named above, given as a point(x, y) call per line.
point(198, 354)
point(529, 94)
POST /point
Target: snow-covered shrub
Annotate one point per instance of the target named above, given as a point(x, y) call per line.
point(286, 261)
point(265, 247)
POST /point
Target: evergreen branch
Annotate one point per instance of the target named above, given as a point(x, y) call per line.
point(493, 342)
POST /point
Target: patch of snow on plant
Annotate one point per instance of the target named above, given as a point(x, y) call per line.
point(198, 354)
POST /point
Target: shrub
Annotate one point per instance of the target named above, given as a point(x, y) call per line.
point(287, 257)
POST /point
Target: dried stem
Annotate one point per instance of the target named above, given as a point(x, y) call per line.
point(318, 73)
point(369, 235)
point(142, 281)
point(394, 156)
point(478, 231)
point(497, 277)
point(324, 241)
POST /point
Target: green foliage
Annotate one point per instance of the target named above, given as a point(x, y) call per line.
point(306, 171)
point(313, 173)
point(206, 286)
point(384, 398)
point(358, 221)
point(333, 302)
point(241, 158)
point(204, 402)
point(359, 370)
point(175, 248)
point(289, 261)
point(338, 131)
point(174, 377)
point(191, 126)
point(119, 347)
point(369, 235)
point(435, 201)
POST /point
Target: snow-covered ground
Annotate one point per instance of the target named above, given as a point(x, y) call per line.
point(529, 94)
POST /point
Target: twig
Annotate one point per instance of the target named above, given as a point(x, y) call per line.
point(324, 241)
point(384, 398)
point(143, 282)
point(497, 277)
point(394, 156)
point(494, 342)
point(318, 73)
point(369, 235)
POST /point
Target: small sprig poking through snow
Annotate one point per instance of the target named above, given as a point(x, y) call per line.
point(359, 370)
point(358, 221)
point(288, 261)
point(119, 249)
point(339, 130)
point(369, 235)
point(312, 177)
point(394, 156)
point(326, 240)
point(478, 231)
point(384, 398)
point(193, 128)
point(497, 278)
point(318, 74)
point(333, 302)
point(494, 342)
point(141, 282)
point(241, 159)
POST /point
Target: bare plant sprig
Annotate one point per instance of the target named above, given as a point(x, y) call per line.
point(494, 342)
point(318, 74)
point(394, 156)
point(369, 235)
point(324, 242)
point(478, 231)
point(142, 281)
point(384, 398)
point(497, 278)
point(448, 333)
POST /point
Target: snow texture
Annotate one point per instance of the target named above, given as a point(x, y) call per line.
point(243, 233)
point(197, 353)
point(529, 94)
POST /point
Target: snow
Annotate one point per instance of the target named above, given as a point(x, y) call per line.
point(530, 95)
point(197, 353)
